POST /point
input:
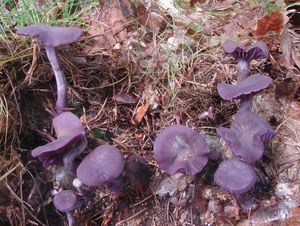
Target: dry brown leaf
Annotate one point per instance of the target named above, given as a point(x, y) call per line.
point(140, 113)
point(152, 18)
point(294, 111)
point(239, 25)
point(124, 98)
point(286, 144)
point(286, 46)
point(288, 2)
point(194, 2)
point(199, 202)
point(290, 38)
point(108, 27)
point(286, 88)
point(151, 96)
point(295, 220)
point(269, 26)
point(128, 8)
point(290, 46)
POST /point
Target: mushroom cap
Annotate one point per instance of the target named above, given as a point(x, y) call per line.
point(70, 133)
point(179, 148)
point(51, 36)
point(65, 123)
point(247, 135)
point(65, 201)
point(257, 50)
point(235, 176)
point(101, 166)
point(252, 84)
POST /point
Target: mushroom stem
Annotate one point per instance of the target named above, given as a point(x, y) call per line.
point(243, 69)
point(72, 154)
point(246, 102)
point(70, 217)
point(61, 82)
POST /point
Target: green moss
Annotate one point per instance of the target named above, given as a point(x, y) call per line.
point(98, 133)
point(268, 6)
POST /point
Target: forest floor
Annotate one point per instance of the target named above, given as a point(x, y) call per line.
point(139, 67)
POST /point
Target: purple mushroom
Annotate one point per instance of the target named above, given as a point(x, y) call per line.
point(245, 89)
point(70, 142)
point(244, 55)
point(51, 37)
point(235, 176)
point(252, 84)
point(247, 135)
point(66, 202)
point(101, 167)
point(181, 149)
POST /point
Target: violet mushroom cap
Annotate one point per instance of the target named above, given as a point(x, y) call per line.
point(247, 135)
point(70, 135)
point(181, 149)
point(257, 50)
point(245, 54)
point(252, 84)
point(103, 165)
point(52, 37)
point(65, 201)
point(235, 176)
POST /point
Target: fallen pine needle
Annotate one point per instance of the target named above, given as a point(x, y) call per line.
point(130, 218)
point(10, 171)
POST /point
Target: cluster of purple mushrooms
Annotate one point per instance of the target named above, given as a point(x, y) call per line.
point(176, 149)
point(179, 148)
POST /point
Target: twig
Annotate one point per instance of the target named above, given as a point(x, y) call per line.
point(102, 87)
point(22, 197)
point(10, 171)
point(144, 200)
point(130, 218)
point(40, 196)
point(95, 119)
point(33, 64)
point(22, 201)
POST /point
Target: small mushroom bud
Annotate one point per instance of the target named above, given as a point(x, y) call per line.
point(66, 201)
